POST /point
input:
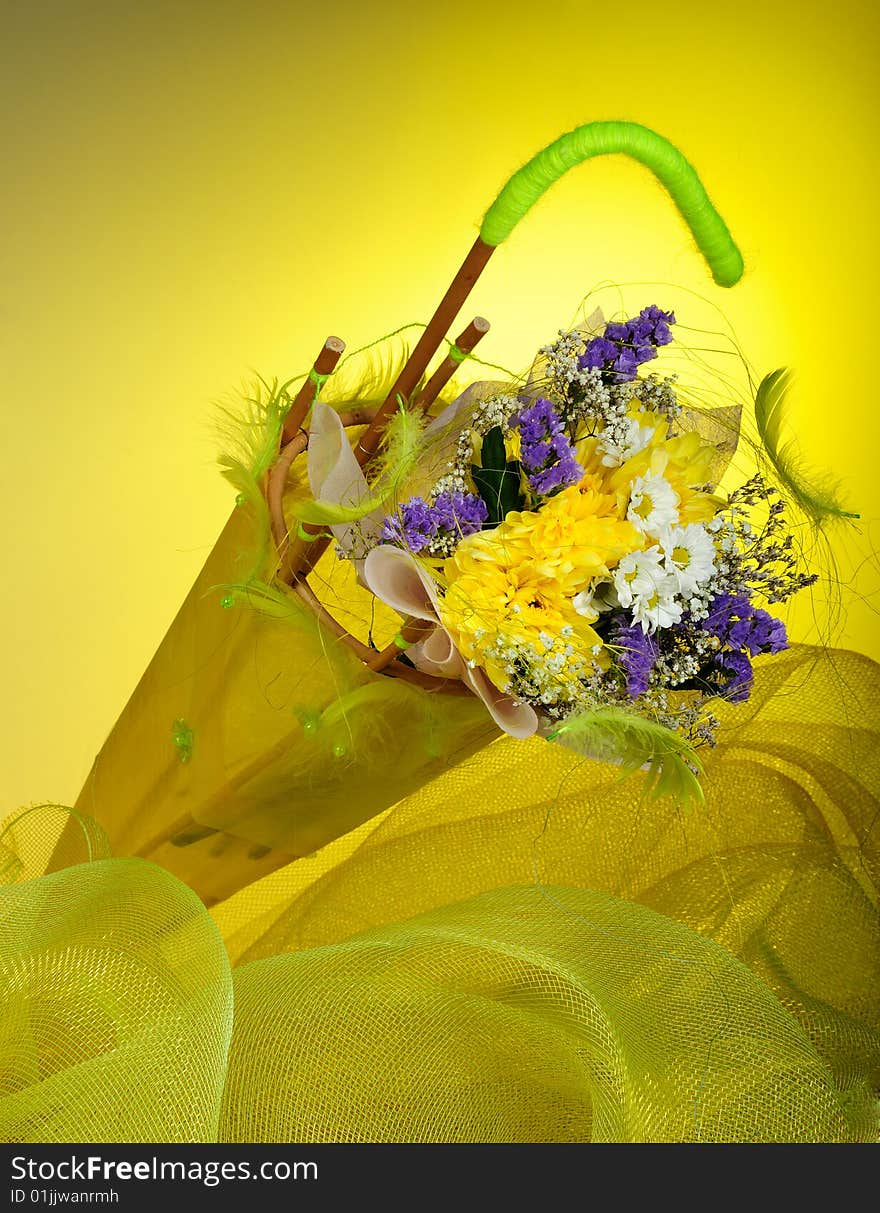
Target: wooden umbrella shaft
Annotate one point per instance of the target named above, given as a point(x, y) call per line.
point(427, 346)
point(324, 365)
point(464, 343)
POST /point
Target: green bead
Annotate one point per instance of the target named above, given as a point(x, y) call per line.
point(311, 722)
point(339, 749)
point(227, 602)
point(182, 737)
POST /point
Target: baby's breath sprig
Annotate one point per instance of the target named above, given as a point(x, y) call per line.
point(764, 561)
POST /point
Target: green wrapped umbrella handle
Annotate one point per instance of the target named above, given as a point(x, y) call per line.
point(664, 160)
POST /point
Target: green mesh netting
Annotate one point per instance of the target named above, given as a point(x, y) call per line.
point(117, 1008)
point(523, 949)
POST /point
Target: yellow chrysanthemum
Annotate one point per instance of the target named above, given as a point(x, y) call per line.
point(685, 461)
point(498, 600)
point(576, 536)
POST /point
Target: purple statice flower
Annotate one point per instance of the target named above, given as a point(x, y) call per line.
point(458, 513)
point(736, 671)
point(600, 352)
point(625, 364)
point(547, 455)
point(412, 527)
point(654, 324)
point(745, 631)
point(744, 627)
point(625, 345)
point(417, 524)
point(638, 654)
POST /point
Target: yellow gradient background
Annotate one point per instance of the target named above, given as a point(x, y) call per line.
point(196, 190)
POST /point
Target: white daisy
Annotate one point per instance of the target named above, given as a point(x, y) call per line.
point(653, 504)
point(603, 596)
point(639, 574)
point(624, 442)
point(584, 605)
point(658, 609)
point(690, 555)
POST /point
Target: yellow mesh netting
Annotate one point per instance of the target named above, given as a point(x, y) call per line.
point(522, 949)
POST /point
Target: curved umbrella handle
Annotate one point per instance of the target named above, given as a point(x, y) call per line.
point(664, 160)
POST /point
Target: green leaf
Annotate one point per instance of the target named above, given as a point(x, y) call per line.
point(498, 480)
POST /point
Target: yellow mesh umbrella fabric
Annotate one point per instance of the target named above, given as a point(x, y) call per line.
point(255, 737)
point(522, 949)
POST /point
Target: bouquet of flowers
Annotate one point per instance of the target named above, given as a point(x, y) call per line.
point(574, 562)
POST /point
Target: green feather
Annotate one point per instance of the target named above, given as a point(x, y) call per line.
point(818, 496)
point(616, 735)
point(269, 600)
point(401, 450)
point(320, 513)
point(398, 457)
point(251, 430)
